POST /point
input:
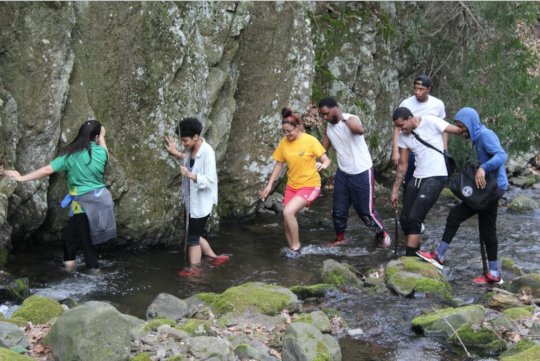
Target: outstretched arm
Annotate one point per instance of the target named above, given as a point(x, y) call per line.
point(39, 173)
point(266, 191)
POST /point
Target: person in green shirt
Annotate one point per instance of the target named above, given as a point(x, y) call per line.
point(84, 161)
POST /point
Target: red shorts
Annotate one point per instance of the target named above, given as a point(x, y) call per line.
point(308, 193)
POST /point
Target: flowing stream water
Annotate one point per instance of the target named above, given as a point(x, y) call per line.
point(132, 277)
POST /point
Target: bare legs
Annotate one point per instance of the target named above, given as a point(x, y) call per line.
point(290, 223)
point(195, 252)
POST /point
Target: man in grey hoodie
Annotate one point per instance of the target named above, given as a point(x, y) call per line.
point(491, 157)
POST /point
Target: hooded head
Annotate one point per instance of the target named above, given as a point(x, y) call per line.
point(470, 118)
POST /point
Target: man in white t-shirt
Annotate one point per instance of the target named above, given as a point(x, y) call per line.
point(430, 175)
point(354, 182)
point(421, 103)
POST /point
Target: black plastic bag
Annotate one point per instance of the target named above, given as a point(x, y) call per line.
point(463, 185)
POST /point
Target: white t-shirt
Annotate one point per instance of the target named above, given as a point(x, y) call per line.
point(432, 106)
point(352, 151)
point(428, 162)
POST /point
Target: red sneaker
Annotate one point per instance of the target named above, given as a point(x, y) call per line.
point(188, 272)
point(488, 278)
point(431, 257)
point(219, 260)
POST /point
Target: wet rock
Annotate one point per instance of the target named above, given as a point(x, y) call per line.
point(436, 323)
point(303, 342)
point(317, 319)
point(317, 291)
point(339, 274)
point(408, 275)
point(167, 331)
point(38, 309)
point(501, 300)
point(509, 265)
point(250, 318)
point(524, 181)
point(93, 331)
point(529, 284)
point(167, 306)
point(248, 349)
point(522, 204)
point(206, 348)
point(268, 299)
point(155, 323)
point(11, 336)
point(519, 313)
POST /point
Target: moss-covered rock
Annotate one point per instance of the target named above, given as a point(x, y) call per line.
point(482, 340)
point(509, 265)
point(523, 345)
point(38, 310)
point(317, 319)
point(196, 327)
point(155, 323)
point(529, 283)
point(410, 274)
point(519, 313)
point(436, 322)
point(317, 290)
point(8, 355)
point(268, 299)
point(339, 274)
point(531, 354)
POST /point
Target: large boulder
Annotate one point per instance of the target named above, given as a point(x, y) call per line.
point(93, 331)
point(304, 342)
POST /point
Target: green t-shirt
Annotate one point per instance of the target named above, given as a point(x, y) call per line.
point(83, 174)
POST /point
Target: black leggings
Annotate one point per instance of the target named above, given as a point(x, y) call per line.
point(77, 232)
point(487, 224)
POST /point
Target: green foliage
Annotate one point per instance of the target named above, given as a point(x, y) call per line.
point(154, 324)
point(8, 355)
point(145, 356)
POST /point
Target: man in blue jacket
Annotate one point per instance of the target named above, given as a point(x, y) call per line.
point(491, 157)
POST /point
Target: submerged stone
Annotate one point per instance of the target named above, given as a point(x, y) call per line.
point(318, 290)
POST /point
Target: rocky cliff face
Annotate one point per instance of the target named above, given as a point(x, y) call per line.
point(139, 68)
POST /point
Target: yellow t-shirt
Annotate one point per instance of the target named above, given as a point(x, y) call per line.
point(300, 155)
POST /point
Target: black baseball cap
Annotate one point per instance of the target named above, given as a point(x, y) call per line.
point(423, 80)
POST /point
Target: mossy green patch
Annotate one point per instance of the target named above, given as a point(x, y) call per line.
point(519, 313)
point(176, 358)
point(472, 337)
point(416, 265)
point(268, 299)
point(145, 356)
point(155, 323)
point(207, 297)
point(8, 355)
point(305, 317)
point(508, 264)
point(407, 284)
point(38, 310)
point(523, 345)
point(531, 354)
point(322, 352)
point(195, 327)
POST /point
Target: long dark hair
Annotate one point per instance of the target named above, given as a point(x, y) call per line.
point(88, 132)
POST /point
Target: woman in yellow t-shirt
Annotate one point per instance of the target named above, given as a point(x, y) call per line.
point(300, 152)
